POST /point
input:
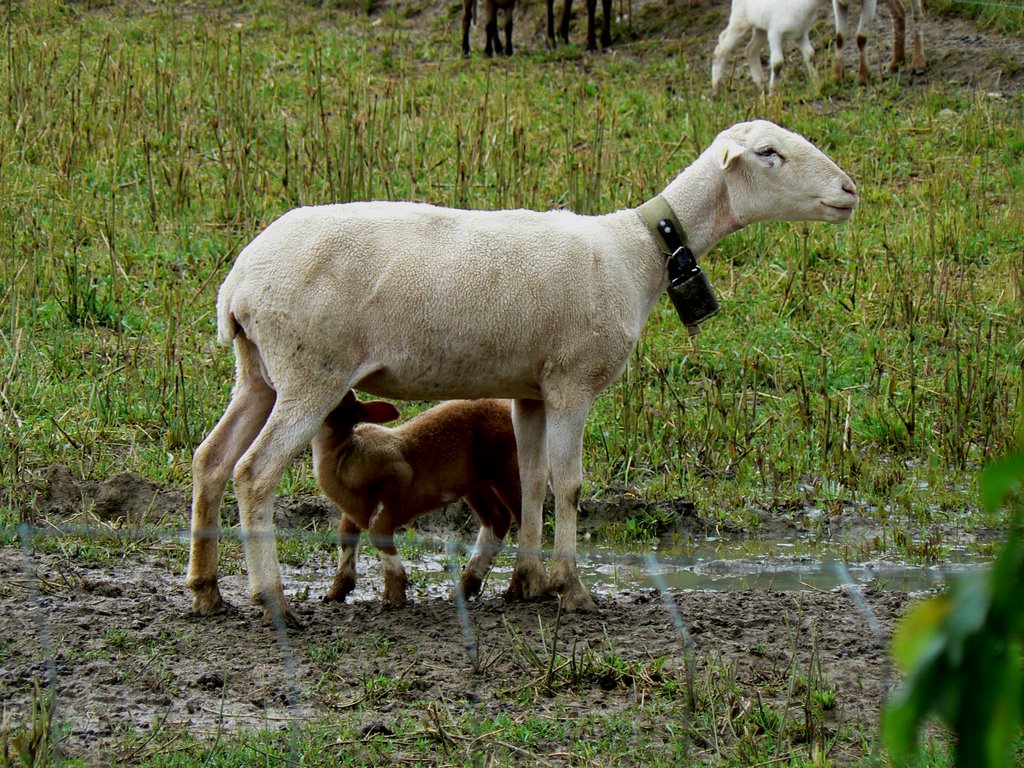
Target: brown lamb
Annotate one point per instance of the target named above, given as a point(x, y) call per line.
point(382, 478)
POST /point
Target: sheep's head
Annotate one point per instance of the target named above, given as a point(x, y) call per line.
point(776, 175)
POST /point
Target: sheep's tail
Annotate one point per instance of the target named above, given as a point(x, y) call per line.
point(227, 326)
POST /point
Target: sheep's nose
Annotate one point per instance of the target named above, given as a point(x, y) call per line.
point(849, 187)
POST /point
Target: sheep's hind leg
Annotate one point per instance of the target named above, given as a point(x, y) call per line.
point(807, 51)
point(291, 426)
point(345, 577)
point(211, 468)
point(529, 581)
point(758, 40)
point(565, 444)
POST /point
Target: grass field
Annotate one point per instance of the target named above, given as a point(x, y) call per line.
point(878, 362)
point(876, 365)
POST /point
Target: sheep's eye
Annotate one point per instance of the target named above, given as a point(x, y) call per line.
point(769, 152)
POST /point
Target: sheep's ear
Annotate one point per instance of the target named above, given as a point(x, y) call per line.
point(379, 412)
point(730, 153)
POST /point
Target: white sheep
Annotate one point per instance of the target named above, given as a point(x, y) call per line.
point(775, 21)
point(413, 301)
point(766, 21)
point(899, 23)
point(381, 479)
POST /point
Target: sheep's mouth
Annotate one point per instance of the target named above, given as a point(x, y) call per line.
point(842, 210)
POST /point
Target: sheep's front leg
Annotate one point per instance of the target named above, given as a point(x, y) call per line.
point(382, 536)
point(840, 10)
point(529, 581)
point(565, 447)
point(776, 59)
point(345, 578)
point(867, 14)
point(212, 465)
point(729, 38)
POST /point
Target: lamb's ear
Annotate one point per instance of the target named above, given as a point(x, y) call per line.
point(379, 412)
point(730, 153)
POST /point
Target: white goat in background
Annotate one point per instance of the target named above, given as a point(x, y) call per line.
point(413, 301)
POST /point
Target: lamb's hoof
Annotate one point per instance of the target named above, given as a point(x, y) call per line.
point(394, 589)
point(529, 582)
point(206, 599)
point(469, 586)
point(340, 589)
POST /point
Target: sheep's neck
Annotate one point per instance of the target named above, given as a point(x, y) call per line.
point(700, 200)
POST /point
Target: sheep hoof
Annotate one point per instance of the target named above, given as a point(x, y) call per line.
point(276, 610)
point(529, 582)
point(282, 615)
point(575, 597)
point(206, 599)
point(577, 600)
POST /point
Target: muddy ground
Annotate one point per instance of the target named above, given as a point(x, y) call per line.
point(116, 634)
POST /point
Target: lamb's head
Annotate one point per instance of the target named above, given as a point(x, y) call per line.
point(351, 411)
point(776, 175)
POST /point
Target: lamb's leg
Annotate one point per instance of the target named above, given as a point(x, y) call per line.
point(551, 21)
point(382, 536)
point(212, 465)
point(345, 578)
point(565, 447)
point(495, 520)
point(728, 40)
point(291, 426)
point(529, 581)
